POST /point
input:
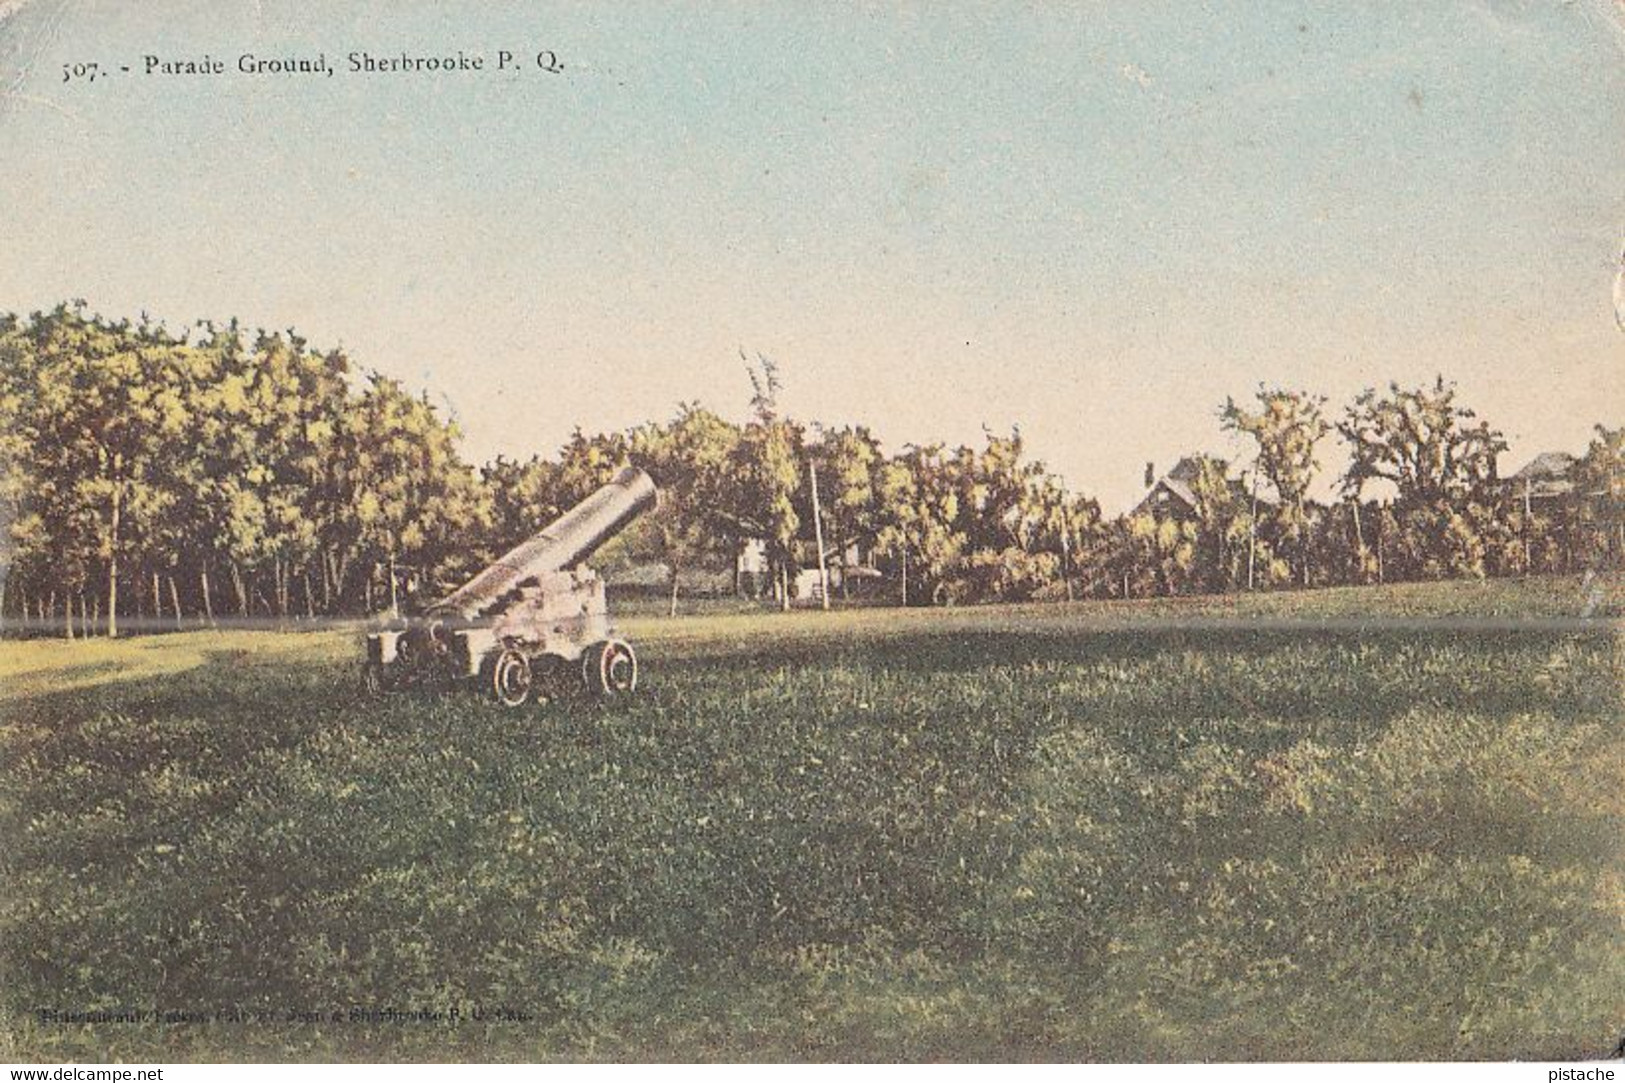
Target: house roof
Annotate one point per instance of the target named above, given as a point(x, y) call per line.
point(1177, 481)
point(1548, 464)
point(1177, 486)
point(1548, 474)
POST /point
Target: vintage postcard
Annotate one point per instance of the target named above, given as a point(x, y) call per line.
point(866, 532)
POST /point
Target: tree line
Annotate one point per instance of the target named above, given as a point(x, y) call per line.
point(155, 479)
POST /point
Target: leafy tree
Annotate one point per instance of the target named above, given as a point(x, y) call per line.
point(767, 466)
point(586, 463)
point(918, 509)
point(1153, 556)
point(1441, 460)
point(1003, 511)
point(689, 459)
point(1600, 481)
point(1286, 426)
point(22, 541)
point(1225, 537)
point(523, 496)
point(1432, 450)
point(108, 405)
point(1346, 540)
point(1068, 527)
point(415, 504)
point(266, 484)
point(849, 462)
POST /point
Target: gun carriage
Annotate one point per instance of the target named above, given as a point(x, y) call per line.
point(534, 614)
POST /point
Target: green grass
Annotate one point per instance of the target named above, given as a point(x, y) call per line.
point(1267, 828)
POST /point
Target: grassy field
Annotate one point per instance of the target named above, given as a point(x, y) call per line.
point(1380, 823)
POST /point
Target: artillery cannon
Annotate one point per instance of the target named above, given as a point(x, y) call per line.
point(531, 615)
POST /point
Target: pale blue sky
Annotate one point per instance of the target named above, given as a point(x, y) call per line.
point(1094, 220)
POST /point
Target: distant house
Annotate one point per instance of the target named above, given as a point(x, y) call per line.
point(1546, 481)
point(1560, 519)
point(752, 557)
point(851, 572)
point(1172, 496)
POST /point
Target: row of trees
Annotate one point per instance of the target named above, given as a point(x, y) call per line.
point(145, 477)
point(1420, 499)
point(152, 477)
point(947, 523)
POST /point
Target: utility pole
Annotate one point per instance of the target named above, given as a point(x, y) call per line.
point(905, 571)
point(1381, 537)
point(1359, 535)
point(1066, 544)
point(818, 536)
point(1066, 560)
point(1528, 511)
point(1252, 529)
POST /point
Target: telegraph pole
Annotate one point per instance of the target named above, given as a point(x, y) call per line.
point(1252, 529)
point(1066, 544)
point(905, 571)
point(818, 536)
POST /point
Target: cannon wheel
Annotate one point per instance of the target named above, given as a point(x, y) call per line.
point(508, 678)
point(610, 668)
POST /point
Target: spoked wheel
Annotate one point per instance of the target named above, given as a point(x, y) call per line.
point(508, 678)
point(610, 668)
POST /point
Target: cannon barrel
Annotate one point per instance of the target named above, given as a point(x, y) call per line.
point(563, 543)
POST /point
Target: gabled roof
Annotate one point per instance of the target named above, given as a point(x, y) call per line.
point(1548, 464)
point(1178, 480)
point(1179, 487)
point(1548, 475)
